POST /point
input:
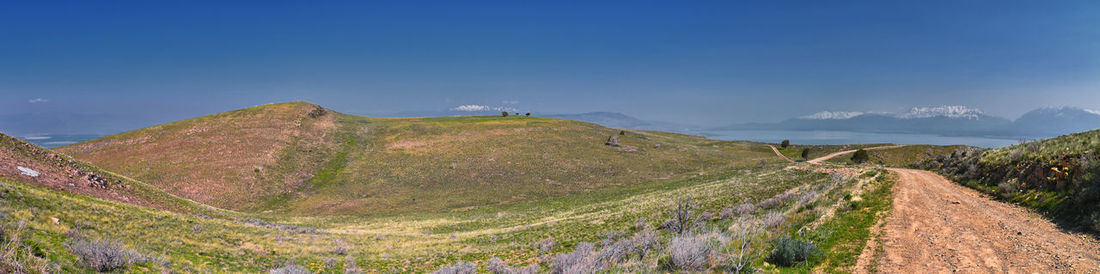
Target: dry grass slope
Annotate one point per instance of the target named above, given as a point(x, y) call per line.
point(290, 159)
point(225, 159)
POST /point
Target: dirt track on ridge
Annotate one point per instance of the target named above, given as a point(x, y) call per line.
point(834, 154)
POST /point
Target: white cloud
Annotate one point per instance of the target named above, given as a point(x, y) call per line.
point(1092, 111)
point(471, 108)
point(479, 108)
point(510, 102)
point(37, 100)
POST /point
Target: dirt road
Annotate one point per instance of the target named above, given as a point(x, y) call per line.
point(781, 154)
point(937, 226)
point(834, 154)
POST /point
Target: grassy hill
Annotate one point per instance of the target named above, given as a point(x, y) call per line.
point(794, 151)
point(902, 156)
point(52, 230)
point(1058, 176)
point(23, 162)
point(299, 158)
point(522, 191)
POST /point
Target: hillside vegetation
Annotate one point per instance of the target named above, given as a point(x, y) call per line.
point(1058, 176)
point(54, 231)
point(904, 156)
point(522, 193)
point(22, 161)
point(298, 158)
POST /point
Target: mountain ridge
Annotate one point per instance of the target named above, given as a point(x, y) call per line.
point(942, 120)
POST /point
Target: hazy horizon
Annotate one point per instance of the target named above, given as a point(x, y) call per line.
point(709, 64)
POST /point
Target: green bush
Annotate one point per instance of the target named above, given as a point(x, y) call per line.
point(788, 251)
point(860, 156)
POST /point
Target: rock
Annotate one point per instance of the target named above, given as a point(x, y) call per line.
point(27, 171)
point(612, 141)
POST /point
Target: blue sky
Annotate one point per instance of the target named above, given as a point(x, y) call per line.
point(707, 63)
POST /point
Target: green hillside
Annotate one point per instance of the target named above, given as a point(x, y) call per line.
point(298, 158)
point(49, 230)
point(1058, 176)
point(421, 194)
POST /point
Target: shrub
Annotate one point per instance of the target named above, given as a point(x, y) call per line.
point(644, 242)
point(16, 256)
point(805, 153)
point(773, 219)
point(1010, 187)
point(503, 114)
point(745, 208)
point(640, 223)
point(861, 156)
point(789, 251)
point(682, 217)
point(769, 203)
point(726, 213)
point(290, 268)
point(340, 248)
point(105, 255)
point(498, 266)
point(545, 245)
point(458, 268)
point(689, 252)
point(740, 251)
point(610, 237)
point(617, 251)
point(350, 266)
point(578, 261)
point(785, 143)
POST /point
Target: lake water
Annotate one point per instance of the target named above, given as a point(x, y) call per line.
point(824, 137)
point(56, 140)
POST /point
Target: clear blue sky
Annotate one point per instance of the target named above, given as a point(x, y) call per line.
point(696, 62)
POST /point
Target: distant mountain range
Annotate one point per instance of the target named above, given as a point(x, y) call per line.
point(943, 120)
point(53, 129)
point(619, 120)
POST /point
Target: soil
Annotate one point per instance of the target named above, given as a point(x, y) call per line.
point(938, 226)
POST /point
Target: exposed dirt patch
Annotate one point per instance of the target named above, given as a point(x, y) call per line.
point(937, 226)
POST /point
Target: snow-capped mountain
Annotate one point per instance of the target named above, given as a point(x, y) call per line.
point(942, 111)
point(914, 113)
point(942, 120)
